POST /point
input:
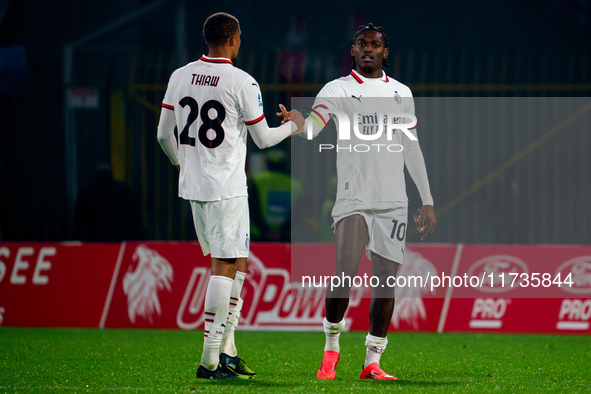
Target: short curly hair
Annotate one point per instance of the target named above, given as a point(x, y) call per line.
point(379, 29)
point(219, 27)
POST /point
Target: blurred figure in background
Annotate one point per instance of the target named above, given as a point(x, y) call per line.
point(272, 193)
point(107, 210)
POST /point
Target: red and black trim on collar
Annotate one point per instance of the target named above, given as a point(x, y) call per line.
point(215, 60)
point(167, 106)
point(358, 78)
point(354, 75)
point(257, 120)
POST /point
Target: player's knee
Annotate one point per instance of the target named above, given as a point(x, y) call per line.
point(340, 291)
point(383, 267)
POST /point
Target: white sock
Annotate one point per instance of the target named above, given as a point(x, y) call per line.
point(333, 332)
point(375, 348)
point(216, 309)
point(228, 345)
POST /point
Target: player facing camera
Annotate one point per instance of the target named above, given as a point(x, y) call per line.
point(370, 49)
point(370, 213)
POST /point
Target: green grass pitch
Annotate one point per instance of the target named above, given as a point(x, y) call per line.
point(80, 360)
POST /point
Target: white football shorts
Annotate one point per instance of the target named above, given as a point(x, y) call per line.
point(387, 231)
point(222, 227)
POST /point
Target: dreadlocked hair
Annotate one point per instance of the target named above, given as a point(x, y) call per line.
point(219, 27)
point(379, 29)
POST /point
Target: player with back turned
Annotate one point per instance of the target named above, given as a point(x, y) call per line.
point(213, 104)
point(371, 196)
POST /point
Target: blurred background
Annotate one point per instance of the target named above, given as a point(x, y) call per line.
point(81, 85)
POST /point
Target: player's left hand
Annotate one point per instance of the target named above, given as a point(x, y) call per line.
point(299, 121)
point(428, 221)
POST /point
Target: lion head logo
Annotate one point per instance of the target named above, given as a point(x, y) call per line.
point(409, 304)
point(152, 273)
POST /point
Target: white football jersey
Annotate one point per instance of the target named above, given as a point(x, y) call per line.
point(212, 102)
point(370, 172)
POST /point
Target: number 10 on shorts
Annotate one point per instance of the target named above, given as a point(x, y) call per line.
point(398, 230)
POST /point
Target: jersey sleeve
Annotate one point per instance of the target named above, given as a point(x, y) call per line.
point(409, 102)
point(251, 102)
point(168, 100)
point(166, 136)
point(319, 116)
point(414, 160)
point(327, 98)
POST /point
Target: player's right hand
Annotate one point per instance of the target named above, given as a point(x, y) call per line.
point(284, 114)
point(294, 116)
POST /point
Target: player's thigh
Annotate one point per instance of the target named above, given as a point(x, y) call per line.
point(199, 219)
point(383, 267)
point(351, 238)
point(227, 227)
point(385, 270)
point(351, 231)
point(388, 233)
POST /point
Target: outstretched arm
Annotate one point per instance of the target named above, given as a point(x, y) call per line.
point(265, 137)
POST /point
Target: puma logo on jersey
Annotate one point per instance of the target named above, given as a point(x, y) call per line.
point(205, 80)
point(358, 98)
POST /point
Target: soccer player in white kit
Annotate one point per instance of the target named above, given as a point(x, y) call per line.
point(213, 104)
point(370, 211)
